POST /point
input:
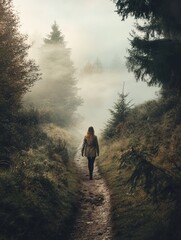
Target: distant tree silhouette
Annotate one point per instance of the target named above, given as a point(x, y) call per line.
point(55, 36)
point(57, 90)
point(88, 68)
point(91, 68)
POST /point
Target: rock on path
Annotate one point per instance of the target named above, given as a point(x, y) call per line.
point(93, 220)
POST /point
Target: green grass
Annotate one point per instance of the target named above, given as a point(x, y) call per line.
point(134, 215)
point(152, 131)
point(39, 193)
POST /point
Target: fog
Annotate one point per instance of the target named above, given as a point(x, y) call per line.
point(100, 91)
point(91, 29)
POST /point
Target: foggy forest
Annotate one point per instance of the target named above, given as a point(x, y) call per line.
point(90, 120)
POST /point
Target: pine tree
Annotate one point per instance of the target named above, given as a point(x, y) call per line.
point(55, 36)
point(57, 91)
point(155, 55)
point(17, 73)
point(119, 115)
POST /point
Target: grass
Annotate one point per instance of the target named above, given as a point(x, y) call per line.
point(39, 191)
point(134, 215)
point(151, 135)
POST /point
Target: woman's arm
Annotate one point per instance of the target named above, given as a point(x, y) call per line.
point(83, 147)
point(97, 146)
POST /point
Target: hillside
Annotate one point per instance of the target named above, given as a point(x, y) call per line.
point(39, 189)
point(141, 163)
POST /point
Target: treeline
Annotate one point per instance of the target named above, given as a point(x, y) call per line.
point(98, 67)
point(38, 184)
point(17, 75)
point(141, 144)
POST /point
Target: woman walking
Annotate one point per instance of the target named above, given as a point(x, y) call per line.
point(90, 149)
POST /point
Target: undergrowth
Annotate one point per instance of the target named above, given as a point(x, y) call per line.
point(141, 164)
point(40, 185)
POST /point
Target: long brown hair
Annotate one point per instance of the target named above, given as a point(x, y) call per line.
point(90, 131)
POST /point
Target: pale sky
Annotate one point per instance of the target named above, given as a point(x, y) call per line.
point(92, 29)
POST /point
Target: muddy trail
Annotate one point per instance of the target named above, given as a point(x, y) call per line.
point(93, 219)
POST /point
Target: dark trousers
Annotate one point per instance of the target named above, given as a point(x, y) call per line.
point(91, 165)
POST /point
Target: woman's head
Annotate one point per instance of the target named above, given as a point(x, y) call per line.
point(90, 131)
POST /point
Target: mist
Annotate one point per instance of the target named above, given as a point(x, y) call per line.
point(100, 91)
point(92, 29)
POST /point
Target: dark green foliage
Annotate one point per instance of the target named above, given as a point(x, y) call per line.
point(118, 116)
point(38, 195)
point(38, 211)
point(152, 129)
point(21, 132)
point(17, 75)
point(38, 185)
point(143, 170)
point(130, 158)
point(154, 56)
point(164, 12)
point(155, 180)
point(156, 61)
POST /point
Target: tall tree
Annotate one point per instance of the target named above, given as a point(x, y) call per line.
point(17, 73)
point(155, 54)
point(57, 90)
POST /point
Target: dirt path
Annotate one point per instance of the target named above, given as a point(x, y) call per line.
point(93, 221)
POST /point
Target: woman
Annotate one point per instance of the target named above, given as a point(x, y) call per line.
point(90, 149)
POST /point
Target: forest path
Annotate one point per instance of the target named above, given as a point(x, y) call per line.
point(93, 220)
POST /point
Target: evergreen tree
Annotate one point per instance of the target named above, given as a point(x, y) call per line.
point(164, 14)
point(55, 36)
point(17, 73)
point(57, 91)
point(119, 115)
point(155, 56)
